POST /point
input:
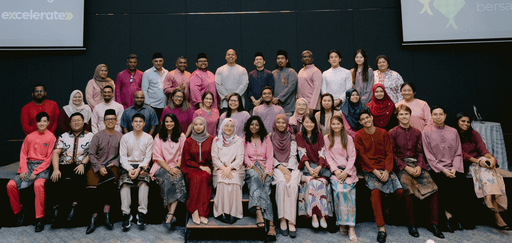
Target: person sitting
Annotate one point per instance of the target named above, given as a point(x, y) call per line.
point(180, 107)
point(420, 116)
point(382, 108)
point(208, 112)
point(488, 183)
point(326, 112)
point(258, 161)
point(70, 157)
point(315, 197)
point(139, 107)
point(166, 170)
point(301, 111)
point(196, 165)
point(228, 173)
point(412, 170)
point(351, 109)
point(97, 118)
point(267, 111)
point(35, 158)
point(376, 154)
point(340, 153)
point(286, 175)
point(135, 151)
point(236, 112)
point(76, 104)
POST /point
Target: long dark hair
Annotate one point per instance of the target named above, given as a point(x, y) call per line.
point(208, 93)
point(344, 134)
point(322, 109)
point(364, 72)
point(465, 136)
point(314, 133)
point(247, 128)
point(240, 104)
point(176, 131)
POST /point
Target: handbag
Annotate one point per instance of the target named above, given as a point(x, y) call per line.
point(324, 172)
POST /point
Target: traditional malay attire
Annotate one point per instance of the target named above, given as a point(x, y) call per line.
point(420, 117)
point(149, 114)
point(257, 80)
point(174, 79)
point(127, 83)
point(376, 153)
point(35, 158)
point(351, 113)
point(184, 116)
point(68, 110)
point(95, 86)
point(315, 195)
point(172, 188)
point(442, 149)
point(285, 154)
point(310, 84)
point(337, 81)
point(268, 114)
point(392, 81)
point(200, 82)
point(364, 88)
point(98, 112)
point(228, 152)
point(285, 86)
point(326, 127)
point(153, 87)
point(408, 151)
point(230, 80)
point(30, 111)
point(296, 119)
point(259, 158)
point(211, 117)
point(197, 153)
point(383, 110)
point(240, 119)
point(135, 153)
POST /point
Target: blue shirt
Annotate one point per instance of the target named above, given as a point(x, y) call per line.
point(257, 80)
point(148, 112)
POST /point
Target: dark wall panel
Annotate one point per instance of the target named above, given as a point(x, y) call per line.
point(6, 99)
point(268, 5)
point(105, 7)
point(376, 3)
point(195, 6)
point(157, 6)
point(323, 4)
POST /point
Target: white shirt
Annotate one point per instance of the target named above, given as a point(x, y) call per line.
point(153, 87)
point(98, 113)
point(134, 150)
point(230, 80)
point(337, 81)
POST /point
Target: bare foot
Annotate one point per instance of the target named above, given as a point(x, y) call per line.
point(271, 229)
point(282, 223)
point(291, 226)
point(499, 221)
point(352, 234)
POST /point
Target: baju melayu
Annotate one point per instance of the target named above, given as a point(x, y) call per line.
point(376, 153)
point(408, 151)
point(420, 117)
point(257, 80)
point(30, 111)
point(185, 118)
point(285, 88)
point(392, 81)
point(310, 85)
point(240, 119)
point(337, 81)
point(174, 79)
point(268, 114)
point(93, 91)
point(211, 117)
point(135, 152)
point(149, 114)
point(35, 158)
point(230, 80)
point(364, 88)
point(344, 192)
point(200, 82)
point(127, 83)
point(153, 88)
point(97, 117)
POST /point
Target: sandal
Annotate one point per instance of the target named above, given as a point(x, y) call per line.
point(168, 226)
point(262, 223)
point(272, 238)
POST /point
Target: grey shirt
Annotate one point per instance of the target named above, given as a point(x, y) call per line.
point(285, 88)
point(230, 80)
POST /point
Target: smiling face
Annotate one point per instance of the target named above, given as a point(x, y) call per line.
point(103, 72)
point(198, 126)
point(359, 59)
point(464, 123)
point(266, 95)
point(383, 65)
point(77, 99)
point(308, 124)
point(259, 62)
point(438, 117)
point(404, 117)
point(354, 98)
point(169, 124)
point(107, 93)
point(327, 102)
point(158, 63)
point(334, 60)
point(177, 98)
point(366, 120)
point(254, 127)
point(231, 56)
point(229, 128)
point(39, 93)
point(181, 64)
point(233, 103)
point(280, 125)
point(302, 107)
point(138, 98)
point(76, 123)
point(379, 93)
point(336, 126)
point(202, 63)
point(42, 124)
point(138, 123)
point(307, 58)
point(110, 121)
point(208, 100)
point(407, 92)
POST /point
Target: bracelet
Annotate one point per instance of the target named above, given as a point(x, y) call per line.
point(84, 164)
point(179, 168)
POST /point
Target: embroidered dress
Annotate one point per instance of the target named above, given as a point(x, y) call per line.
point(392, 81)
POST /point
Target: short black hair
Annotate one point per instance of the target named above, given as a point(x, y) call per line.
point(181, 57)
point(38, 85)
point(259, 54)
point(383, 57)
point(109, 87)
point(267, 87)
point(76, 114)
point(365, 111)
point(40, 116)
point(208, 93)
point(437, 107)
point(139, 115)
point(131, 56)
point(335, 51)
point(410, 85)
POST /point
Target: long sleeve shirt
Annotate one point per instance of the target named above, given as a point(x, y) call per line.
point(374, 150)
point(257, 80)
point(311, 153)
point(212, 119)
point(392, 81)
point(364, 88)
point(104, 148)
point(98, 114)
point(37, 146)
point(345, 158)
point(168, 151)
point(30, 111)
point(153, 87)
point(230, 80)
point(240, 119)
point(473, 149)
point(420, 117)
point(200, 82)
point(261, 152)
point(268, 114)
point(292, 162)
point(93, 94)
point(174, 79)
point(442, 148)
point(285, 88)
point(232, 155)
point(127, 83)
point(196, 155)
point(133, 150)
point(337, 81)
point(148, 112)
point(310, 85)
point(407, 143)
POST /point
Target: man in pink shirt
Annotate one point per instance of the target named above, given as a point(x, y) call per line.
point(128, 82)
point(178, 78)
point(201, 81)
point(39, 104)
point(310, 82)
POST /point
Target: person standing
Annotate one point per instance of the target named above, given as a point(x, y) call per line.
point(94, 88)
point(76, 104)
point(128, 82)
point(285, 84)
point(108, 103)
point(153, 84)
point(389, 78)
point(139, 107)
point(310, 82)
point(231, 78)
point(258, 79)
point(362, 77)
point(39, 104)
point(336, 80)
point(268, 111)
point(178, 78)
point(202, 81)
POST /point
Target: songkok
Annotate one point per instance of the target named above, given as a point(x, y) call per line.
point(201, 55)
point(157, 55)
point(282, 52)
point(109, 112)
point(259, 54)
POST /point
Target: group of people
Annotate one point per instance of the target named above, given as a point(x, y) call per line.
point(307, 134)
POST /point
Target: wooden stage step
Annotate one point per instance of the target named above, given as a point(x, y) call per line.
point(213, 223)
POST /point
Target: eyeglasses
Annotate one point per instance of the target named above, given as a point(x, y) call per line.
point(110, 119)
point(39, 91)
point(76, 121)
point(179, 97)
point(202, 61)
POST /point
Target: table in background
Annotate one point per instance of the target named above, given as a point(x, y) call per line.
point(494, 141)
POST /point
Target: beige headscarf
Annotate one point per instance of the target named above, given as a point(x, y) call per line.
point(102, 82)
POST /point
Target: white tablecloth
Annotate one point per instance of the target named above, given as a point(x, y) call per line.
point(494, 141)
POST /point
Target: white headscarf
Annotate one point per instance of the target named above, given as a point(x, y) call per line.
point(82, 108)
point(223, 139)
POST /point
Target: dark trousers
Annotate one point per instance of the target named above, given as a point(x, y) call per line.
point(159, 112)
point(411, 200)
point(69, 187)
point(450, 195)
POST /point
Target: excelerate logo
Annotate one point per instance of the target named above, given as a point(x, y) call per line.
point(37, 15)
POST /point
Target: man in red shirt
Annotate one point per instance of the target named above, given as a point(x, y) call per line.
point(39, 104)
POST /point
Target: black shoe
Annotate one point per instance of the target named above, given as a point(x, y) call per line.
point(92, 226)
point(224, 218)
point(39, 225)
point(293, 234)
point(468, 226)
point(285, 232)
point(232, 219)
point(127, 222)
point(71, 212)
point(436, 231)
point(141, 222)
point(454, 224)
point(21, 217)
point(447, 227)
point(107, 223)
point(381, 237)
point(271, 238)
point(55, 214)
point(413, 231)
